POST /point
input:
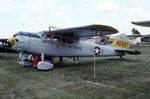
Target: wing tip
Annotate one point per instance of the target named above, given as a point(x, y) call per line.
point(106, 27)
point(133, 23)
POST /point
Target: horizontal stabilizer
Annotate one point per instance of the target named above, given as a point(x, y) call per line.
point(132, 52)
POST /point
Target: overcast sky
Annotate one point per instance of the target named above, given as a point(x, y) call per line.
point(38, 15)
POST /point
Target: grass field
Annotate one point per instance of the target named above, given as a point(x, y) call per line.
point(115, 78)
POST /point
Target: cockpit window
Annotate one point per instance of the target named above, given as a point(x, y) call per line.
point(69, 41)
point(22, 34)
point(27, 34)
point(66, 40)
point(34, 35)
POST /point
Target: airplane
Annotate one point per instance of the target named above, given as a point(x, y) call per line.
point(135, 39)
point(142, 23)
point(6, 46)
point(146, 38)
point(68, 42)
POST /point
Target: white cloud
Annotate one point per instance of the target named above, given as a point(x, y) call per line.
point(108, 5)
point(37, 15)
point(137, 13)
point(113, 14)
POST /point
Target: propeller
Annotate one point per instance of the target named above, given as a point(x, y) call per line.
point(11, 40)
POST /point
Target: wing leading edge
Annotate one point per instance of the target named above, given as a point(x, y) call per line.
point(85, 31)
point(142, 23)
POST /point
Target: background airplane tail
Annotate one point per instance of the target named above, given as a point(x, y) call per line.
point(121, 41)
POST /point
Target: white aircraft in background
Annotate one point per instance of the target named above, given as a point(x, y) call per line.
point(67, 43)
point(135, 39)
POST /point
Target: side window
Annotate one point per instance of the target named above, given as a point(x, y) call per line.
point(57, 39)
point(25, 34)
point(65, 40)
point(34, 35)
point(69, 41)
point(47, 37)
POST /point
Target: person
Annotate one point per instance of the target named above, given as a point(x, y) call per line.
point(73, 60)
point(60, 59)
point(106, 39)
point(70, 59)
point(102, 40)
point(31, 57)
point(36, 60)
point(76, 60)
point(21, 58)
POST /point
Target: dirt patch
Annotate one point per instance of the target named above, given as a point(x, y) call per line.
point(99, 84)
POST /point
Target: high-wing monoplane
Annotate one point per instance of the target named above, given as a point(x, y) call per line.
point(68, 43)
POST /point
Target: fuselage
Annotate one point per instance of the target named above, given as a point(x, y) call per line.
point(32, 43)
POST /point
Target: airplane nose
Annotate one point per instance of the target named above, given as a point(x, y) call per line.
point(11, 40)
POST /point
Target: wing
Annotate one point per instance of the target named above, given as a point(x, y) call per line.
point(135, 35)
point(143, 23)
point(129, 51)
point(85, 31)
point(3, 40)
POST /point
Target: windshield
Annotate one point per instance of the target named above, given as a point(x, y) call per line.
point(22, 34)
point(34, 35)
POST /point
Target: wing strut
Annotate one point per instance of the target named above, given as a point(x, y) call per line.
point(94, 72)
point(50, 32)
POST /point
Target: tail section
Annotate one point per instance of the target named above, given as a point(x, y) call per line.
point(121, 41)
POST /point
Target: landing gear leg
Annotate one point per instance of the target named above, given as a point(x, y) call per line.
point(121, 57)
point(42, 55)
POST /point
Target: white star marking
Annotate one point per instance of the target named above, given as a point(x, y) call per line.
point(97, 50)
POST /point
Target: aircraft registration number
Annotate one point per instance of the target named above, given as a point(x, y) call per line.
point(122, 44)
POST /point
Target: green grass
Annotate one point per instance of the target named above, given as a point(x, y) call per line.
point(115, 78)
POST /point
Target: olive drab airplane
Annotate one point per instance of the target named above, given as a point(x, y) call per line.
point(67, 43)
